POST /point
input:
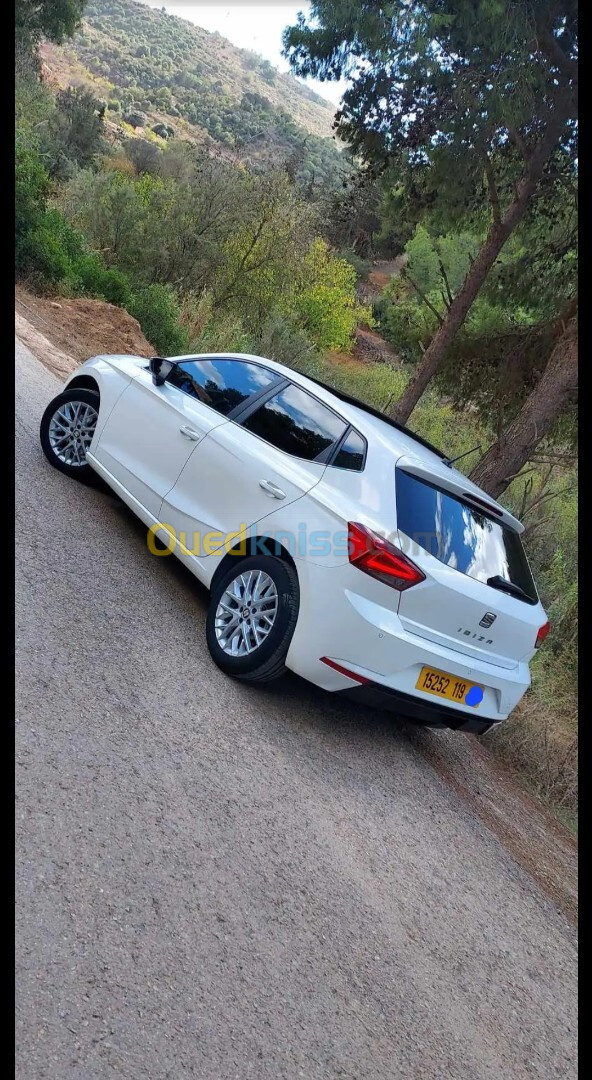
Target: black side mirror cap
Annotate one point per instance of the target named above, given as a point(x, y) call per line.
point(160, 368)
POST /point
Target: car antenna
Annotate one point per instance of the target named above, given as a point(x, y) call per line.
point(450, 461)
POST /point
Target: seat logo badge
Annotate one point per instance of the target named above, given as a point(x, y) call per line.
point(487, 619)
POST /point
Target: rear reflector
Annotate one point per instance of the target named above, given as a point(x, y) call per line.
point(375, 556)
point(544, 630)
point(343, 670)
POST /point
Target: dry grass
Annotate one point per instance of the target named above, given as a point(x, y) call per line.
point(540, 740)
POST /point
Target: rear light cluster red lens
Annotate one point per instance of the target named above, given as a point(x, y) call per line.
point(542, 633)
point(375, 556)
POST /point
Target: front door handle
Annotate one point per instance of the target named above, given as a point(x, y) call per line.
point(271, 489)
point(190, 433)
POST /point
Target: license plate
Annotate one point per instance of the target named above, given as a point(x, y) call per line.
point(442, 685)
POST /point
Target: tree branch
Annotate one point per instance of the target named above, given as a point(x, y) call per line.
point(445, 280)
point(491, 188)
point(552, 49)
point(519, 143)
point(422, 296)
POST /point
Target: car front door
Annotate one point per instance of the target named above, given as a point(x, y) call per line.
point(153, 429)
point(272, 454)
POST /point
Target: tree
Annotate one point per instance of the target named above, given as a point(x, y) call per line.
point(555, 390)
point(323, 298)
point(31, 193)
point(76, 129)
point(144, 155)
point(478, 101)
point(53, 19)
point(505, 342)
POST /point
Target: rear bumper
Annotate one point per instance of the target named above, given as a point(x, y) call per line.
point(353, 629)
point(375, 696)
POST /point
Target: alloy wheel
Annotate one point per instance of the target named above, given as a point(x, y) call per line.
point(71, 430)
point(246, 612)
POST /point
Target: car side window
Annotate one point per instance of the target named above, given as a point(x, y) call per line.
point(221, 384)
point(297, 423)
point(351, 453)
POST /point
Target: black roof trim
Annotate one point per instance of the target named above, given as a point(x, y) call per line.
point(380, 416)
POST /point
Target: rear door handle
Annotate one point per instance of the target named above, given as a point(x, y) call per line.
point(190, 433)
point(272, 490)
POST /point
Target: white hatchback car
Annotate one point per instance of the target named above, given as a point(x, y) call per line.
point(334, 541)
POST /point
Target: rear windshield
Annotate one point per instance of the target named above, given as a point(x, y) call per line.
point(458, 535)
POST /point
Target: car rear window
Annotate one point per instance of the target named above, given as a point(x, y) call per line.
point(459, 535)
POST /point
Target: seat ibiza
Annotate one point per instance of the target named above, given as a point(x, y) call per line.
point(334, 542)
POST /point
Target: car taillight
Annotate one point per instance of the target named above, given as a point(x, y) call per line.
point(375, 556)
point(542, 633)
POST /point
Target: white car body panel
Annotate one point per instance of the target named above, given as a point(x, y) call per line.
point(202, 500)
point(148, 457)
point(212, 482)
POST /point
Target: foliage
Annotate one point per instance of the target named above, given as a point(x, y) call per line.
point(31, 193)
point(157, 310)
point(153, 63)
point(497, 357)
point(324, 303)
point(136, 119)
point(213, 331)
point(74, 133)
point(33, 106)
point(247, 239)
point(443, 85)
point(54, 19)
point(477, 105)
point(144, 155)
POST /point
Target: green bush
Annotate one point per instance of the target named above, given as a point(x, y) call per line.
point(94, 278)
point(157, 311)
point(31, 192)
point(52, 249)
point(42, 254)
point(49, 248)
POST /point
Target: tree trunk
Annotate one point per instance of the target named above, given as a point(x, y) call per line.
point(499, 232)
point(555, 389)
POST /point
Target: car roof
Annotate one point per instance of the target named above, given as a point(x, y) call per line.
point(362, 416)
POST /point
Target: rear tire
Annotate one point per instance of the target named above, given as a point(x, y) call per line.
point(66, 431)
point(251, 618)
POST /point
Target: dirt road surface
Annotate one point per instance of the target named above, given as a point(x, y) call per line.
point(216, 881)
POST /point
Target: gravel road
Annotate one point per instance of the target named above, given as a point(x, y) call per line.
point(216, 881)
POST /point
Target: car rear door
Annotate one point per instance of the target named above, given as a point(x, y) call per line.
point(272, 454)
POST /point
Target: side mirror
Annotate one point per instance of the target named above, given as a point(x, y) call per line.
point(160, 368)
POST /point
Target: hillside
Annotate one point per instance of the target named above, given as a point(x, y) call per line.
point(144, 61)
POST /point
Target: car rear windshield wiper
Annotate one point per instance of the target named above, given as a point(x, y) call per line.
point(498, 582)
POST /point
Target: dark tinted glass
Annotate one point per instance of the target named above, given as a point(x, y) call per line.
point(351, 453)
point(296, 422)
point(460, 536)
point(222, 384)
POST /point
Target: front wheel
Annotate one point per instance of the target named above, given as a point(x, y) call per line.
point(66, 431)
point(251, 618)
